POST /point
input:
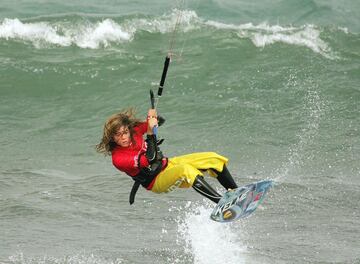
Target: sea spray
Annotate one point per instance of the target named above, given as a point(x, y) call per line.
point(209, 241)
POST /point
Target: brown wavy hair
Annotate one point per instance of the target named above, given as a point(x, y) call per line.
point(124, 118)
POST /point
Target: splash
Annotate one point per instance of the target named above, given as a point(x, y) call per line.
point(208, 241)
point(314, 108)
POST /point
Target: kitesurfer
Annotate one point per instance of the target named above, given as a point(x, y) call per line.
point(143, 161)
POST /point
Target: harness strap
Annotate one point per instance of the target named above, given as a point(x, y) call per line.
point(145, 177)
point(134, 189)
point(148, 174)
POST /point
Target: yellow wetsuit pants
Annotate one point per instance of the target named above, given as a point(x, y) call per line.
point(181, 171)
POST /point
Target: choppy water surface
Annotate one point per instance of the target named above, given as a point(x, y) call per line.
point(273, 85)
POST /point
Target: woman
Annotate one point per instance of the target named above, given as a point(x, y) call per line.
point(143, 161)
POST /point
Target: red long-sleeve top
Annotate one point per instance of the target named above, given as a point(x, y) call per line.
point(126, 159)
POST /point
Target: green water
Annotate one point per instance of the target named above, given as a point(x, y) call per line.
point(272, 85)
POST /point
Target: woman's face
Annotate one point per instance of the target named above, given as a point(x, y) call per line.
point(122, 137)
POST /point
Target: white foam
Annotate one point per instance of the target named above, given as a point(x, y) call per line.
point(101, 34)
point(264, 34)
point(307, 37)
point(33, 32)
point(82, 35)
point(209, 241)
point(94, 35)
point(250, 26)
point(344, 29)
point(185, 20)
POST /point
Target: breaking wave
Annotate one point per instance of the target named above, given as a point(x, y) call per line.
point(93, 35)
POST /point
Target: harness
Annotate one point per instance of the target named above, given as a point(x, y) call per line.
point(145, 176)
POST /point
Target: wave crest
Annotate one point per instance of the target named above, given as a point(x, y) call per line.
point(263, 34)
point(83, 36)
point(94, 35)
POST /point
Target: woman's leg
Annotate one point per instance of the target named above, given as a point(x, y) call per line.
point(203, 161)
point(225, 179)
point(183, 176)
point(213, 163)
point(175, 176)
point(202, 187)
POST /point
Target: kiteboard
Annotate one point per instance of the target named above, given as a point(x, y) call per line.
point(240, 202)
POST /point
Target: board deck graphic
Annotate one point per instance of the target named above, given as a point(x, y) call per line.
point(240, 202)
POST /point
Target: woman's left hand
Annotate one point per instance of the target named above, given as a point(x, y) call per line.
point(152, 113)
point(152, 121)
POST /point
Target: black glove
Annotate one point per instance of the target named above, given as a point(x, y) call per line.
point(153, 152)
point(151, 149)
point(161, 120)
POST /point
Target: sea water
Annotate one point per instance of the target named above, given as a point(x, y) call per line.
point(272, 85)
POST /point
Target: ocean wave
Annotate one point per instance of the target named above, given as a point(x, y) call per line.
point(98, 34)
point(83, 36)
point(92, 35)
point(264, 34)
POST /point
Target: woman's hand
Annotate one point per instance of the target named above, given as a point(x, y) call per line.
point(152, 113)
point(152, 121)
